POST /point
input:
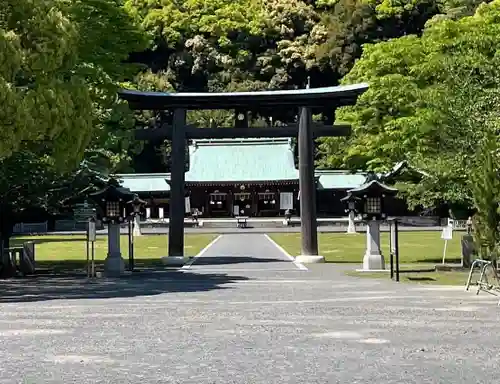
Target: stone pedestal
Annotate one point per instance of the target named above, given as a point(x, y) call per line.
point(174, 261)
point(137, 226)
point(468, 248)
point(351, 227)
point(310, 259)
point(373, 259)
point(114, 264)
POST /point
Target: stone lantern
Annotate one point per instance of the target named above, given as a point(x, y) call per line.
point(114, 204)
point(352, 203)
point(136, 203)
point(371, 197)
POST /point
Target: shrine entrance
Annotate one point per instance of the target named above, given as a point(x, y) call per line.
point(292, 108)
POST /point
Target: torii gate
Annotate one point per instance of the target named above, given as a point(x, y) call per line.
point(324, 100)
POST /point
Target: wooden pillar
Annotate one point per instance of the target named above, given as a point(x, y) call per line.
point(308, 225)
point(177, 208)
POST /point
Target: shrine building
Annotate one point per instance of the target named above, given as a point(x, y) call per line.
point(242, 177)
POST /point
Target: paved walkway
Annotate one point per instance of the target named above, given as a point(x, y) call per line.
point(244, 252)
point(245, 322)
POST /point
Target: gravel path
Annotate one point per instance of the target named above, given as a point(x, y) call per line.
point(259, 320)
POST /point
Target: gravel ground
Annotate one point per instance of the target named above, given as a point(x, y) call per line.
point(250, 316)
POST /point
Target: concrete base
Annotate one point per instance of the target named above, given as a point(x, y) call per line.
point(373, 262)
point(174, 261)
point(310, 259)
point(114, 266)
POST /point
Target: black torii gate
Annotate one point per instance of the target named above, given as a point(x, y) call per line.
point(325, 100)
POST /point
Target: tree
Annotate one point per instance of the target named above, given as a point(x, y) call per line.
point(429, 100)
point(486, 194)
point(353, 23)
point(221, 45)
point(58, 75)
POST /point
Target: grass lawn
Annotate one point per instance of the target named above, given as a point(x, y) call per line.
point(68, 252)
point(414, 246)
point(437, 278)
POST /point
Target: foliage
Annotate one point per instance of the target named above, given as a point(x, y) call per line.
point(429, 100)
point(486, 193)
point(58, 73)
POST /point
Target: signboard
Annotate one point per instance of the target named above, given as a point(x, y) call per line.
point(82, 213)
point(187, 204)
point(447, 233)
point(286, 200)
point(92, 236)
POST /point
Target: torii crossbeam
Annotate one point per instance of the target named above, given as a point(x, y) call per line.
point(325, 99)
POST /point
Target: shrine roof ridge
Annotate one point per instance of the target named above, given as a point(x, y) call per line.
point(324, 96)
point(233, 142)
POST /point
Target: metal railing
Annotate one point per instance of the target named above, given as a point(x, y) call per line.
point(489, 285)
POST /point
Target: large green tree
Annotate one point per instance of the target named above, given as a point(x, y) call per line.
point(429, 102)
point(60, 62)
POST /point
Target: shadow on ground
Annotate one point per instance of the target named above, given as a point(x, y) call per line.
point(80, 266)
point(449, 260)
point(147, 283)
point(221, 260)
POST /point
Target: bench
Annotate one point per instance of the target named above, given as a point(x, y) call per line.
point(241, 221)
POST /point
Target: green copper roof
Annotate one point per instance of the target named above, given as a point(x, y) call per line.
point(250, 160)
point(145, 182)
point(240, 160)
point(336, 179)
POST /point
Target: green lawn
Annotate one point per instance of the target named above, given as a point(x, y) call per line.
point(414, 247)
point(69, 252)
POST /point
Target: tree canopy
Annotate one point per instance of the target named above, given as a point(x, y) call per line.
point(431, 101)
point(59, 64)
point(432, 68)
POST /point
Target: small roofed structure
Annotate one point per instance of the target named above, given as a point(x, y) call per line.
point(372, 196)
point(114, 201)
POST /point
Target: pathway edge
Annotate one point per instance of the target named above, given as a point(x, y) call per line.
point(299, 265)
point(201, 253)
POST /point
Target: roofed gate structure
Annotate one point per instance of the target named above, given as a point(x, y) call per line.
point(304, 102)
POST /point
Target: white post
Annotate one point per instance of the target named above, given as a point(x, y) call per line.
point(373, 259)
point(161, 213)
point(137, 226)
point(444, 251)
point(393, 239)
point(351, 227)
point(148, 213)
point(114, 264)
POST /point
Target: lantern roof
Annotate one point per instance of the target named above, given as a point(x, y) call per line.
point(372, 187)
point(113, 191)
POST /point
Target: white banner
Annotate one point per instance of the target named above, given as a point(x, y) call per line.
point(286, 200)
point(187, 204)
